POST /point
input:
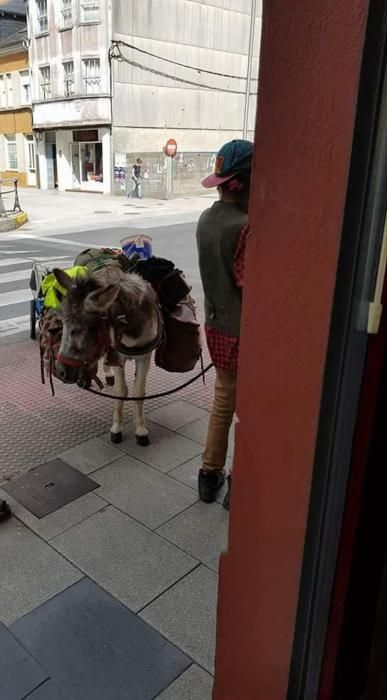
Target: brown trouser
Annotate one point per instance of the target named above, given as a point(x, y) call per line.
point(223, 409)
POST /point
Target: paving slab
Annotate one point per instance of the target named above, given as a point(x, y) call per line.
point(95, 648)
point(19, 672)
point(166, 451)
point(177, 414)
point(91, 455)
point(142, 492)
point(59, 521)
point(188, 472)
point(32, 572)
point(201, 530)
point(186, 615)
point(194, 684)
point(124, 557)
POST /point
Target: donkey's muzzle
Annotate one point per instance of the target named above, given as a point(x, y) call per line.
point(67, 374)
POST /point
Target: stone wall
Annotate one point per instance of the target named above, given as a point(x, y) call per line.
point(188, 169)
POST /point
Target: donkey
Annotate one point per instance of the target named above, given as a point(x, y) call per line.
point(114, 316)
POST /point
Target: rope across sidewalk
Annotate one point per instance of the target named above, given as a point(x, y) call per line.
point(152, 396)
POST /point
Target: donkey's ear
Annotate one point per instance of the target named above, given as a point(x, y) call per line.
point(101, 299)
point(63, 279)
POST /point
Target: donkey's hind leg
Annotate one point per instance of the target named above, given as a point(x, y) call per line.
point(120, 389)
point(142, 369)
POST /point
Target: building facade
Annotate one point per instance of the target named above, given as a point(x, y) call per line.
point(69, 44)
point(17, 147)
point(113, 81)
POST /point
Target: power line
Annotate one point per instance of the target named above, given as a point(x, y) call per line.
point(177, 63)
point(180, 80)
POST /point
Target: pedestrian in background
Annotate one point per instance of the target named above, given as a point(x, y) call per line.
point(221, 238)
point(136, 180)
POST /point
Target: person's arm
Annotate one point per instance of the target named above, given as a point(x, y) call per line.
point(239, 256)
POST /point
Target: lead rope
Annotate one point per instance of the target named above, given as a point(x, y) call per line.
point(154, 396)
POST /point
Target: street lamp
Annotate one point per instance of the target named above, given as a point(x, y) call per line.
point(249, 68)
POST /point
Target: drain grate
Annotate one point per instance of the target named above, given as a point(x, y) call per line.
point(48, 487)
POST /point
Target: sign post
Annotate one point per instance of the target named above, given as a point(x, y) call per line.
point(170, 150)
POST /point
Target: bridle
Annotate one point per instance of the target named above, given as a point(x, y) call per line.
point(104, 344)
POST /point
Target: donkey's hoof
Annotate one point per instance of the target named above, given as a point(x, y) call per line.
point(143, 440)
point(116, 438)
point(109, 381)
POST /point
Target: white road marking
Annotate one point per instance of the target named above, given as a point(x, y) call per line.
point(13, 261)
point(17, 322)
point(15, 297)
point(14, 276)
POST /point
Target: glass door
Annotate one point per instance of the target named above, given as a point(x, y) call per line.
point(75, 163)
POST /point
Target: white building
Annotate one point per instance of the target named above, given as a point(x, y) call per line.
point(177, 71)
point(69, 44)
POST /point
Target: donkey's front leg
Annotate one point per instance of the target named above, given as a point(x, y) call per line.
point(120, 389)
point(142, 369)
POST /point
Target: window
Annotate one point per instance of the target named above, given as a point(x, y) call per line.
point(3, 94)
point(41, 15)
point(91, 76)
point(25, 87)
point(67, 13)
point(10, 140)
point(89, 10)
point(31, 152)
point(68, 78)
point(9, 90)
point(45, 82)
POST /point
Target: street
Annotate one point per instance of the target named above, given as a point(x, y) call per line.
point(56, 240)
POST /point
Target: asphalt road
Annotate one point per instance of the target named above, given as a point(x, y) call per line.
point(174, 241)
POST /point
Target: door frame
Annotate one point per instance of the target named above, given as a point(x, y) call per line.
point(361, 240)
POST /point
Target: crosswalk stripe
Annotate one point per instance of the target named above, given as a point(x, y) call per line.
point(14, 276)
point(13, 261)
point(15, 297)
point(17, 322)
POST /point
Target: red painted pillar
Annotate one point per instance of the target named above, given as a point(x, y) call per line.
point(309, 75)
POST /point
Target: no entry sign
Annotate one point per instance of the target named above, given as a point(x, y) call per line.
point(171, 148)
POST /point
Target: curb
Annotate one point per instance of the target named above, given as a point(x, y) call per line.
point(11, 223)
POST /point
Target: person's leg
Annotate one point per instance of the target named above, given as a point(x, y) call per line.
point(211, 476)
point(139, 189)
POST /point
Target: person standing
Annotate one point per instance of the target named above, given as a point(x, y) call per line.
point(221, 239)
point(136, 180)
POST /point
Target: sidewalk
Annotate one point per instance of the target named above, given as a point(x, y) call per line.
point(63, 210)
point(114, 594)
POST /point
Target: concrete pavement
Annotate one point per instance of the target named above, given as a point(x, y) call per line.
point(112, 594)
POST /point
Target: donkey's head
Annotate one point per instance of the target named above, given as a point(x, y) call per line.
point(85, 330)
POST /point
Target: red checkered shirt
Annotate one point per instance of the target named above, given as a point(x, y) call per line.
point(223, 347)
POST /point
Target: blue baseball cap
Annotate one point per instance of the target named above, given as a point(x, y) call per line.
point(234, 157)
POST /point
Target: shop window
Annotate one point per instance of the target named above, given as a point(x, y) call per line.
point(41, 16)
point(91, 76)
point(45, 82)
point(31, 152)
point(67, 13)
point(25, 87)
point(11, 151)
point(90, 11)
point(68, 77)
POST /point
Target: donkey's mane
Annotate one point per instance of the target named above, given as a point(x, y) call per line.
point(133, 288)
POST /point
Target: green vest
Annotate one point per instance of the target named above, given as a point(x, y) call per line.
point(217, 237)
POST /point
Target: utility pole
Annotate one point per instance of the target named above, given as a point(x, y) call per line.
point(249, 68)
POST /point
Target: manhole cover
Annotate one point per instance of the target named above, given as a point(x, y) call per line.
point(45, 489)
point(131, 213)
point(102, 212)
